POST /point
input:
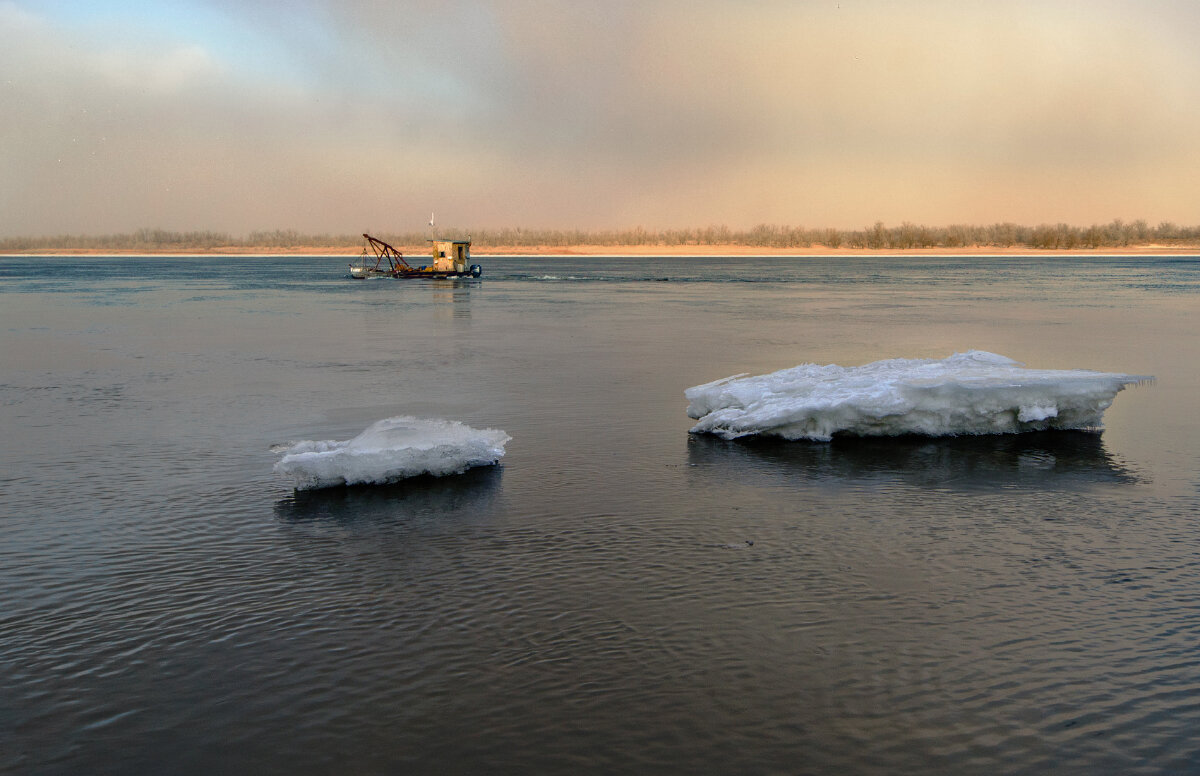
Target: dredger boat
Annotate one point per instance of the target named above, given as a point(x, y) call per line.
point(449, 260)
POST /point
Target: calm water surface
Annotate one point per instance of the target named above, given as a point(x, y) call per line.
point(616, 596)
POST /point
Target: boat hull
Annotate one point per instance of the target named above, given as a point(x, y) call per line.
point(361, 273)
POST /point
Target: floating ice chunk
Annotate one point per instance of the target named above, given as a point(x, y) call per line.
point(968, 393)
point(390, 450)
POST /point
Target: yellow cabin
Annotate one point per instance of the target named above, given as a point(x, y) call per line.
point(451, 255)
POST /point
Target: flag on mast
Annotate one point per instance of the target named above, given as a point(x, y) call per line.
point(431, 219)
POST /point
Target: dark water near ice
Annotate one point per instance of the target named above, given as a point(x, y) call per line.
point(615, 596)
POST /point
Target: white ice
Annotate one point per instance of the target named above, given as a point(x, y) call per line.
point(390, 450)
point(968, 393)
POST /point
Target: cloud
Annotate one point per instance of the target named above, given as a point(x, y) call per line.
point(348, 115)
point(163, 72)
point(112, 135)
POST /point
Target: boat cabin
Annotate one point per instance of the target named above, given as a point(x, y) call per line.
point(451, 255)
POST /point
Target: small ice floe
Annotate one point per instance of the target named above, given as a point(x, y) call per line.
point(390, 450)
point(968, 393)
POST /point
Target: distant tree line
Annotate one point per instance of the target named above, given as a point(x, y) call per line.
point(1115, 234)
point(147, 239)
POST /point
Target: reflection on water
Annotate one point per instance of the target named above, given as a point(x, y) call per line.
point(447, 298)
point(1049, 460)
point(453, 295)
point(470, 493)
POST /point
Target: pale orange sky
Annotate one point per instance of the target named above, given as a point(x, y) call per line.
point(341, 117)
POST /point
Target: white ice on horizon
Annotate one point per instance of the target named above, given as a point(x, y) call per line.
point(968, 393)
point(390, 450)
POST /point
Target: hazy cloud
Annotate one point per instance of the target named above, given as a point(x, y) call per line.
point(351, 115)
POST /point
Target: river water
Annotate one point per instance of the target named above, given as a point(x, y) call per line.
point(617, 595)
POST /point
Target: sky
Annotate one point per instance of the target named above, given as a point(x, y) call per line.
point(343, 116)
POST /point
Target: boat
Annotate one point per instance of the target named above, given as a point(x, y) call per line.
point(448, 259)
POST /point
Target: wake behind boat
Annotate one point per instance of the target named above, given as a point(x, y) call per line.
point(449, 260)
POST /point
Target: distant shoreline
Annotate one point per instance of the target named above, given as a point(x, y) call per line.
point(637, 250)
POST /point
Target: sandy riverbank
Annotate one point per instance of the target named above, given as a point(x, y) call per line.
point(821, 250)
point(631, 250)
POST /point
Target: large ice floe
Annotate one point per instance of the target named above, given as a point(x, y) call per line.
point(968, 393)
point(390, 450)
